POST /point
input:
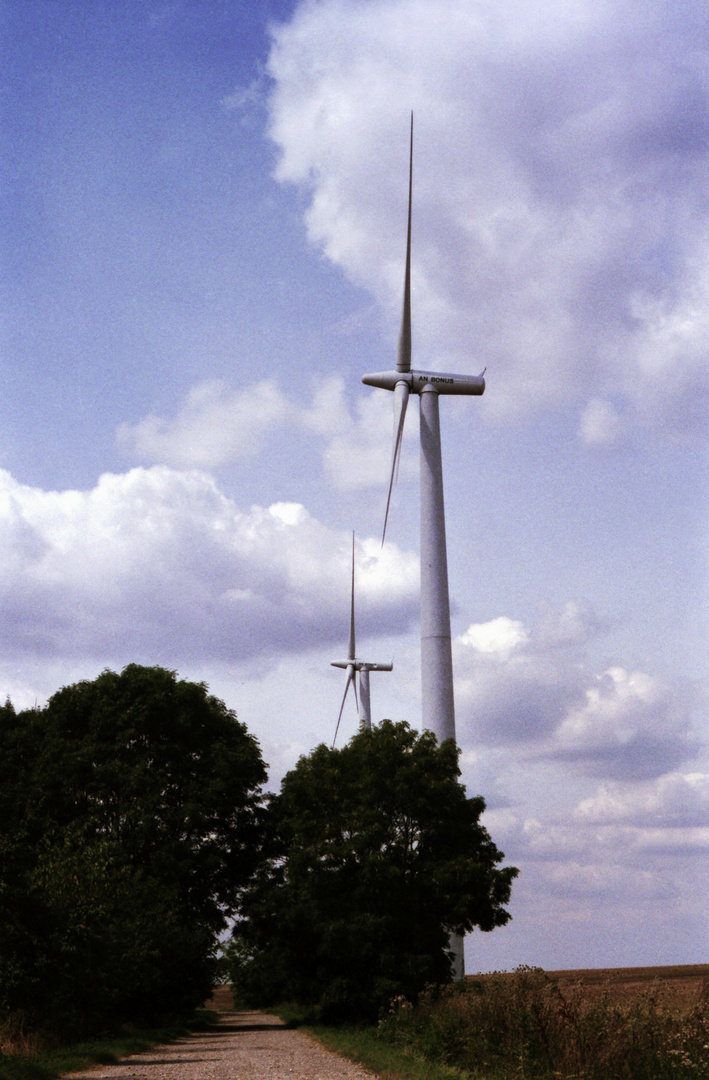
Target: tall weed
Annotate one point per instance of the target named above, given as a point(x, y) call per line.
point(17, 1037)
point(525, 1025)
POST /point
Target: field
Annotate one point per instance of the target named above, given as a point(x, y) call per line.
point(648, 1023)
point(685, 981)
point(597, 1024)
point(222, 999)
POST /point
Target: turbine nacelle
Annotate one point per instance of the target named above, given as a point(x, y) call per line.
point(416, 381)
point(405, 383)
point(362, 665)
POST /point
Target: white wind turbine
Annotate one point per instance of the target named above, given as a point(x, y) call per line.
point(355, 668)
point(438, 708)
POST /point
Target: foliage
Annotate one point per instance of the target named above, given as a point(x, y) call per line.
point(525, 1025)
point(31, 1060)
point(130, 821)
point(376, 856)
point(360, 1043)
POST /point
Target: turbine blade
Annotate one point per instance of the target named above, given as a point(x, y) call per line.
point(354, 687)
point(342, 709)
point(351, 647)
point(401, 400)
point(403, 354)
point(350, 681)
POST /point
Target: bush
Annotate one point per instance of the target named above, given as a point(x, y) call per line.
point(525, 1025)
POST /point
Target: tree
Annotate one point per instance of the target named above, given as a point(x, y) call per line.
point(375, 856)
point(130, 823)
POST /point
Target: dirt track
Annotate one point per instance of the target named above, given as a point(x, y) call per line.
point(242, 1046)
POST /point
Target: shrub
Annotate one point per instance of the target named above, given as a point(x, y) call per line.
point(525, 1025)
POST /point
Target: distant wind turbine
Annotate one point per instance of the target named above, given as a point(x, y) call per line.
point(355, 668)
point(438, 707)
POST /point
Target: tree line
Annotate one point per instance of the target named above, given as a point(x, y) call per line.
point(134, 831)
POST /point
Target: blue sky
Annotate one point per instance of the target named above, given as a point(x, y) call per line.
point(203, 223)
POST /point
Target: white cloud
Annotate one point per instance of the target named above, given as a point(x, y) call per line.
point(509, 690)
point(530, 689)
point(359, 447)
point(216, 425)
point(575, 624)
point(673, 800)
point(674, 842)
point(159, 564)
point(561, 185)
point(499, 637)
point(596, 880)
point(600, 424)
point(629, 723)
point(582, 858)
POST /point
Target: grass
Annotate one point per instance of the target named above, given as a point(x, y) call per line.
point(362, 1044)
point(38, 1064)
point(533, 1026)
point(627, 1025)
point(529, 1026)
point(388, 1061)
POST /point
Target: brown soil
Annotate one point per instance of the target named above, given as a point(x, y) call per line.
point(222, 999)
point(685, 981)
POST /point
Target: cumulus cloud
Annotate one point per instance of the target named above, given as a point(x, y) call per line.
point(587, 855)
point(359, 443)
point(597, 880)
point(600, 424)
point(677, 800)
point(627, 725)
point(605, 848)
point(574, 624)
point(530, 689)
point(216, 425)
point(160, 564)
point(561, 189)
point(499, 637)
point(510, 689)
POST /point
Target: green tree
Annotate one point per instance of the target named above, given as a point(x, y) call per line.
point(130, 823)
point(375, 856)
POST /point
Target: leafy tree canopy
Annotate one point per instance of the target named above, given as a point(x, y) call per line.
point(130, 822)
point(376, 856)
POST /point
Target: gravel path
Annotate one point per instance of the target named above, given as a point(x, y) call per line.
point(243, 1046)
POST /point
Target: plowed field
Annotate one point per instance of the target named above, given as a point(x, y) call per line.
point(684, 980)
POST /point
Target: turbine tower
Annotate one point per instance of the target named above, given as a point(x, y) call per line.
point(438, 710)
point(355, 668)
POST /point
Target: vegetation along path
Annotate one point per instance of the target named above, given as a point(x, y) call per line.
point(241, 1046)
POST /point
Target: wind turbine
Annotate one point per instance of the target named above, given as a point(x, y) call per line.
point(438, 707)
point(355, 668)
